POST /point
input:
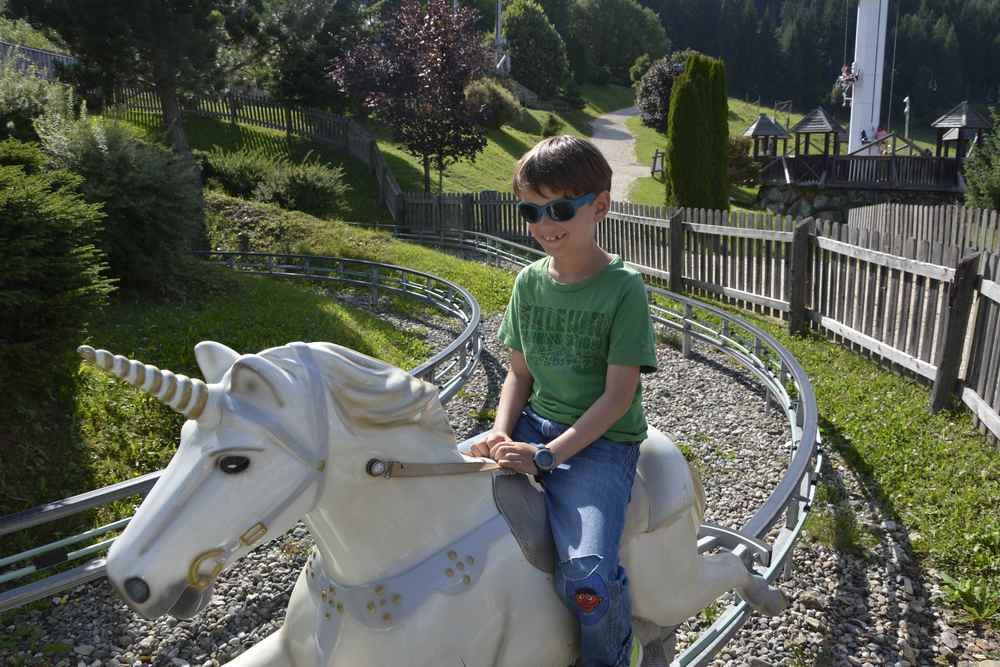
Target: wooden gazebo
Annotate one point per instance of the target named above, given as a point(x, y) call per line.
point(818, 121)
point(959, 127)
point(765, 134)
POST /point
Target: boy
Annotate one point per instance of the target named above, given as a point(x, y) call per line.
point(570, 410)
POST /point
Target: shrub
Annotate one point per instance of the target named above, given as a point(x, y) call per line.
point(152, 197)
point(537, 52)
point(652, 95)
point(491, 103)
point(310, 187)
point(52, 276)
point(639, 68)
point(982, 170)
point(698, 136)
point(23, 98)
point(27, 155)
point(553, 126)
point(238, 172)
point(572, 96)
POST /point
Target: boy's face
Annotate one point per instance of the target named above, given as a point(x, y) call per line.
point(573, 235)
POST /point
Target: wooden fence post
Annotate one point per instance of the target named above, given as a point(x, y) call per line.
point(953, 328)
point(798, 272)
point(677, 252)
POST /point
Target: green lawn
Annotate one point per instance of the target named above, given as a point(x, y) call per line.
point(492, 169)
point(361, 202)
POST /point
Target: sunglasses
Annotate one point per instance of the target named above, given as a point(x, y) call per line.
point(558, 210)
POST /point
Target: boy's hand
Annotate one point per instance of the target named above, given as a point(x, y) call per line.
point(517, 456)
point(491, 440)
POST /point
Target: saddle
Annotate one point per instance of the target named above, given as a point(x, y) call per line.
point(663, 488)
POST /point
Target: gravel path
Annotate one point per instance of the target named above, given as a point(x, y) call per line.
point(616, 143)
point(847, 610)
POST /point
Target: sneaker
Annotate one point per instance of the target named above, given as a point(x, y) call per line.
point(636, 659)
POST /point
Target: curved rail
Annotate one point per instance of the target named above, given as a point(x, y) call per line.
point(449, 369)
point(785, 383)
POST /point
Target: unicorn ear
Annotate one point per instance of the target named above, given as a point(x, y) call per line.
point(259, 381)
point(214, 359)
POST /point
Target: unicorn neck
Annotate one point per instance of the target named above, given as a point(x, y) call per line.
point(371, 528)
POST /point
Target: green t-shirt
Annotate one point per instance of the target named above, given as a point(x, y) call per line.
point(570, 333)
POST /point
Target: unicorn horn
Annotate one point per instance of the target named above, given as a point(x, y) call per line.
point(181, 393)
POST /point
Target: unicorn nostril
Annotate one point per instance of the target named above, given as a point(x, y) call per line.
point(137, 589)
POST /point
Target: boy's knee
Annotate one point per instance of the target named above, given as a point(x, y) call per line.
point(584, 589)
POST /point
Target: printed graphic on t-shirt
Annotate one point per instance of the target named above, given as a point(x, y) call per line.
point(564, 337)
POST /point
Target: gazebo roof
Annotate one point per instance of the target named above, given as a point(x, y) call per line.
point(953, 134)
point(765, 127)
point(818, 121)
point(963, 115)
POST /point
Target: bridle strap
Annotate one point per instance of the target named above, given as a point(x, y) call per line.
point(391, 469)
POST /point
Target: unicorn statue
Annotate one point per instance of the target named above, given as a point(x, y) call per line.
point(423, 555)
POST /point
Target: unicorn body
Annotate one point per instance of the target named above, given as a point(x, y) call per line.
point(406, 571)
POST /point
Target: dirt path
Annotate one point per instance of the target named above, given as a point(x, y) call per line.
point(616, 142)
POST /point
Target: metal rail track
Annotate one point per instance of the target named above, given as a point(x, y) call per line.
point(449, 369)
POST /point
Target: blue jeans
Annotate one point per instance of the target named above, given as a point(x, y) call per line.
point(587, 499)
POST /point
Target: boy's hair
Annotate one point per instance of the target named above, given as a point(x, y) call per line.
point(563, 164)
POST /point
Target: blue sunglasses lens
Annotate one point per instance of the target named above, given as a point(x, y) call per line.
point(560, 211)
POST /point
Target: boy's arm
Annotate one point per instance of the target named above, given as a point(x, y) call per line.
point(513, 397)
point(619, 389)
point(514, 394)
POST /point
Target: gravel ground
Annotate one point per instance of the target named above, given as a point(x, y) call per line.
point(846, 610)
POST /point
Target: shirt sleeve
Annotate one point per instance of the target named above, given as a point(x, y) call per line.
point(510, 329)
point(633, 341)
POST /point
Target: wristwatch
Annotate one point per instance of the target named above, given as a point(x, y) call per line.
point(544, 459)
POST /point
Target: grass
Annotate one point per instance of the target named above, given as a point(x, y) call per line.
point(272, 229)
point(205, 134)
point(933, 473)
point(492, 168)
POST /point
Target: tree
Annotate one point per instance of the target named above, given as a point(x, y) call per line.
point(412, 75)
point(652, 95)
point(982, 170)
point(697, 136)
point(170, 46)
point(537, 52)
point(606, 36)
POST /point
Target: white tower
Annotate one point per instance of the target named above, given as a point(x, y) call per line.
point(869, 63)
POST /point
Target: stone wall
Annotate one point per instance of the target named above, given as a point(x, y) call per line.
point(833, 203)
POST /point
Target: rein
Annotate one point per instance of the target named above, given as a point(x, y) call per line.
point(391, 469)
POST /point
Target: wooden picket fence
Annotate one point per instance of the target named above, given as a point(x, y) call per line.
point(39, 61)
point(892, 283)
point(975, 228)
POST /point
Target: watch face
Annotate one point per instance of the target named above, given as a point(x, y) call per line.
point(544, 459)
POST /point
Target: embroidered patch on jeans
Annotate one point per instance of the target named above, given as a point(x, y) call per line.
point(590, 596)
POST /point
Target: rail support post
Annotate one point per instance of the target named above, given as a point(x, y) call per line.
point(798, 273)
point(676, 223)
point(954, 325)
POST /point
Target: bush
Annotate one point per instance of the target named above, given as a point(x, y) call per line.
point(52, 277)
point(572, 96)
point(639, 68)
point(309, 186)
point(27, 155)
point(491, 103)
point(698, 136)
point(152, 197)
point(240, 172)
point(553, 126)
point(652, 95)
point(741, 167)
point(982, 170)
point(612, 34)
point(23, 98)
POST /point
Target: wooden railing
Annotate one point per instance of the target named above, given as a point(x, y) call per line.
point(890, 172)
point(45, 63)
point(975, 228)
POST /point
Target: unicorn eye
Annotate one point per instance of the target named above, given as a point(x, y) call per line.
point(233, 465)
